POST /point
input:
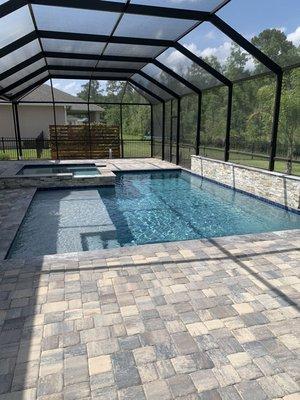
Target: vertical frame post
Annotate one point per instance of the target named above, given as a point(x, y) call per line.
point(54, 117)
point(121, 130)
point(163, 133)
point(89, 120)
point(178, 131)
point(17, 127)
point(171, 133)
point(273, 149)
point(228, 123)
point(152, 133)
point(198, 124)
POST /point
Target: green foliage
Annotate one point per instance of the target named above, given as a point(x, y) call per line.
point(274, 43)
point(136, 119)
point(252, 109)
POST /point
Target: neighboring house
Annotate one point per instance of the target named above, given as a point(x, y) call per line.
point(36, 118)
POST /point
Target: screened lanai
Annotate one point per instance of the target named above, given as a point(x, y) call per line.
point(198, 98)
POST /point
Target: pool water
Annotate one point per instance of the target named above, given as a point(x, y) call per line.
point(146, 207)
point(78, 170)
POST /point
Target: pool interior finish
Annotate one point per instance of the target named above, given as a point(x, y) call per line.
point(78, 170)
point(144, 207)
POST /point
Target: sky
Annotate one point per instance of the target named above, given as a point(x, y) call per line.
point(249, 17)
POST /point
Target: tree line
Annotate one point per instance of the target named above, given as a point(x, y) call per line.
point(253, 101)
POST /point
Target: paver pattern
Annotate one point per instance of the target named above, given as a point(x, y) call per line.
point(203, 319)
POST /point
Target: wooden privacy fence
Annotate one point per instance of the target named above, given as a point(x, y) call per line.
point(80, 141)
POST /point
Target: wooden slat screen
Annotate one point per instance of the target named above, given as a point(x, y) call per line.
point(80, 142)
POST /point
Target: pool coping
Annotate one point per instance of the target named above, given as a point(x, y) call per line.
point(85, 257)
point(13, 231)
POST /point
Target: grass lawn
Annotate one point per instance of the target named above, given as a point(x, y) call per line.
point(134, 148)
point(238, 158)
point(27, 154)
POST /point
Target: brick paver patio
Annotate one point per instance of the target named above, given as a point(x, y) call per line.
point(212, 319)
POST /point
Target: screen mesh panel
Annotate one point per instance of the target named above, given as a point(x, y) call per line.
point(121, 75)
point(16, 57)
point(15, 25)
point(221, 52)
point(119, 64)
point(131, 95)
point(24, 72)
point(65, 19)
point(150, 86)
point(134, 50)
point(71, 62)
point(88, 74)
point(166, 79)
point(187, 69)
point(152, 27)
point(72, 46)
point(275, 29)
point(70, 73)
point(151, 99)
point(157, 129)
point(29, 83)
point(198, 5)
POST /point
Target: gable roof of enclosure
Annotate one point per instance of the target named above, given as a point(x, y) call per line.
point(128, 40)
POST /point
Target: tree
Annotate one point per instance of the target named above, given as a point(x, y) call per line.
point(274, 43)
point(93, 90)
point(236, 63)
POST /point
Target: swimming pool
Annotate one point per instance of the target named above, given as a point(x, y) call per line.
point(146, 207)
point(78, 170)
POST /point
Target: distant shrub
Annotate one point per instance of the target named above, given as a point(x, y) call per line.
point(4, 156)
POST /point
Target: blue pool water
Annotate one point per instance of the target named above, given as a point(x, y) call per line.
point(146, 207)
point(78, 170)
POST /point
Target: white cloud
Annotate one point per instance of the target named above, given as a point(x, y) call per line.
point(294, 37)
point(210, 35)
point(68, 86)
point(221, 52)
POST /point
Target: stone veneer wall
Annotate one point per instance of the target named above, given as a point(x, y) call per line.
point(55, 181)
point(280, 188)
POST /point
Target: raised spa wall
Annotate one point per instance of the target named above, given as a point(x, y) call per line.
point(276, 187)
point(13, 181)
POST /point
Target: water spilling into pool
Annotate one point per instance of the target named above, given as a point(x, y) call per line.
point(146, 207)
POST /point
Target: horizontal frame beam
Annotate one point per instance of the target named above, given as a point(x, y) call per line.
point(117, 7)
point(87, 78)
point(91, 69)
point(83, 103)
point(77, 56)
point(88, 37)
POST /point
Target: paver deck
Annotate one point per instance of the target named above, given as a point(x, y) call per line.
point(203, 319)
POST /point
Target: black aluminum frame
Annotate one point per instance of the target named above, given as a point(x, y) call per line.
point(121, 8)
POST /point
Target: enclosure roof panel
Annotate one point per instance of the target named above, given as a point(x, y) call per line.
point(197, 5)
point(116, 34)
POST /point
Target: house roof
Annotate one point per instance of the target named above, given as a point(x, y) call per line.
point(43, 93)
